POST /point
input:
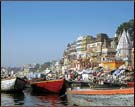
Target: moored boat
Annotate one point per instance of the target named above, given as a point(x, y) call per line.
point(102, 91)
point(12, 84)
point(100, 97)
point(50, 86)
point(130, 84)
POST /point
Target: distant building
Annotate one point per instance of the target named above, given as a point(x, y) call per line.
point(114, 42)
point(108, 54)
point(89, 51)
point(81, 45)
point(100, 49)
point(72, 51)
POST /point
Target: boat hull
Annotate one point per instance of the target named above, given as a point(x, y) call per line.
point(100, 100)
point(13, 84)
point(52, 86)
point(102, 92)
point(101, 97)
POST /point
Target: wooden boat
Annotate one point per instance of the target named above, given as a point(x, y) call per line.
point(100, 97)
point(71, 84)
point(12, 84)
point(51, 86)
point(102, 91)
point(130, 84)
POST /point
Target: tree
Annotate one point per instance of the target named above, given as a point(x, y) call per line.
point(37, 66)
point(44, 66)
point(126, 26)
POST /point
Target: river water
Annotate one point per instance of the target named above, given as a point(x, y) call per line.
point(29, 98)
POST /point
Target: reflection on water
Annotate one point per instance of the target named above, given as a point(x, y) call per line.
point(18, 98)
point(12, 99)
point(29, 98)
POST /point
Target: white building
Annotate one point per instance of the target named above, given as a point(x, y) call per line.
point(124, 47)
point(79, 46)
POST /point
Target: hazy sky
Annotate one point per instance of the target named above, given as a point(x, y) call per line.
point(36, 32)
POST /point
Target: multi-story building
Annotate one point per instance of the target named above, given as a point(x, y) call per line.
point(94, 51)
point(72, 51)
point(87, 50)
point(82, 53)
point(108, 54)
point(70, 55)
point(101, 49)
point(81, 46)
point(108, 50)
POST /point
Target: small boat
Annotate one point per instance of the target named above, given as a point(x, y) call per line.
point(130, 84)
point(102, 91)
point(101, 97)
point(51, 86)
point(12, 84)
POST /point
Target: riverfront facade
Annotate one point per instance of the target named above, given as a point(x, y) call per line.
point(88, 51)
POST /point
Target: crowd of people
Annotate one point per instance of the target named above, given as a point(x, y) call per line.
point(98, 75)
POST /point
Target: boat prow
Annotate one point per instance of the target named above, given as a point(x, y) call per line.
point(12, 84)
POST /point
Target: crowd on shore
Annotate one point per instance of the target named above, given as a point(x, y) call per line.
point(97, 75)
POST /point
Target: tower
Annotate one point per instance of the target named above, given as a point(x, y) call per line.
point(124, 47)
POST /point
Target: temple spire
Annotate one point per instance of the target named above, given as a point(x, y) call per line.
point(124, 45)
